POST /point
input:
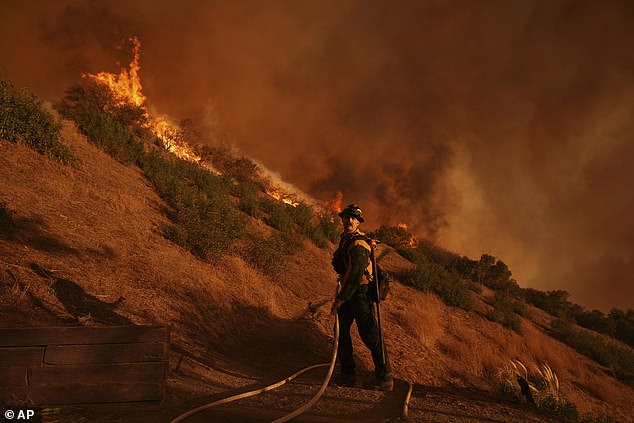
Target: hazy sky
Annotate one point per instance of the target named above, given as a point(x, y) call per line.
point(504, 127)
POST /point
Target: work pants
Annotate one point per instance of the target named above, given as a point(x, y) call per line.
point(360, 308)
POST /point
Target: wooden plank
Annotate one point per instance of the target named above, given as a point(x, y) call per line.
point(104, 353)
point(13, 376)
point(22, 355)
point(64, 335)
point(83, 394)
point(99, 373)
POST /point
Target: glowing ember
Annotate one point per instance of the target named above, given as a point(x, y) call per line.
point(403, 226)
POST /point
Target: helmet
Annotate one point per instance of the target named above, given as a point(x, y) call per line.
point(352, 210)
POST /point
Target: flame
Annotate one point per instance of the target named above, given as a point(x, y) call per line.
point(283, 197)
point(127, 89)
point(126, 86)
point(413, 242)
point(334, 205)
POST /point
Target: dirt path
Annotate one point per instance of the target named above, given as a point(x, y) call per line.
point(338, 405)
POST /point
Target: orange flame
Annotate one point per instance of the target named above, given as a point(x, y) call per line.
point(412, 242)
point(334, 205)
point(126, 86)
point(283, 197)
point(127, 89)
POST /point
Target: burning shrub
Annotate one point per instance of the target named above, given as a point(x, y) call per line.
point(24, 120)
point(395, 236)
point(94, 96)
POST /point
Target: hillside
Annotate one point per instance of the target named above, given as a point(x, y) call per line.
point(85, 245)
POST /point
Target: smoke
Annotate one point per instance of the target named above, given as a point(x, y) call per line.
point(503, 127)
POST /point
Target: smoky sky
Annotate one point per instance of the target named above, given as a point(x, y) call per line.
point(503, 127)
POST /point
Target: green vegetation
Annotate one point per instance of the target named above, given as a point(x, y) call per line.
point(432, 277)
point(204, 219)
point(495, 274)
point(619, 360)
point(617, 324)
point(113, 137)
point(205, 216)
point(543, 385)
point(23, 120)
point(506, 311)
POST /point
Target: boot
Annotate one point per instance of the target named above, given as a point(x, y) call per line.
point(384, 384)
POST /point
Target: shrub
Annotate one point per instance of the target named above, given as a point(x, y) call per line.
point(330, 227)
point(279, 214)
point(248, 194)
point(619, 360)
point(114, 138)
point(505, 311)
point(431, 277)
point(394, 236)
point(91, 95)
point(240, 168)
point(205, 220)
point(268, 254)
point(543, 385)
point(24, 120)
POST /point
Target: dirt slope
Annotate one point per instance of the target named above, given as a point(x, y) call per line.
point(86, 248)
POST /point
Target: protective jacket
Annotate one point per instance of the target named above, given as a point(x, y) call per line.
point(352, 262)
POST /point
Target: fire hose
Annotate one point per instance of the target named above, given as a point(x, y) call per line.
point(296, 412)
point(319, 393)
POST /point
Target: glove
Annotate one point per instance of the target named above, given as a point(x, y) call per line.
point(335, 306)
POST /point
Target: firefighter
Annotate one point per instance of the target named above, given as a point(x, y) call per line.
point(352, 262)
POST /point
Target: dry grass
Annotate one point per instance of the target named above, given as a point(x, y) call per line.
point(99, 226)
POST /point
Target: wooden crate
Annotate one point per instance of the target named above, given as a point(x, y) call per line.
point(78, 365)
